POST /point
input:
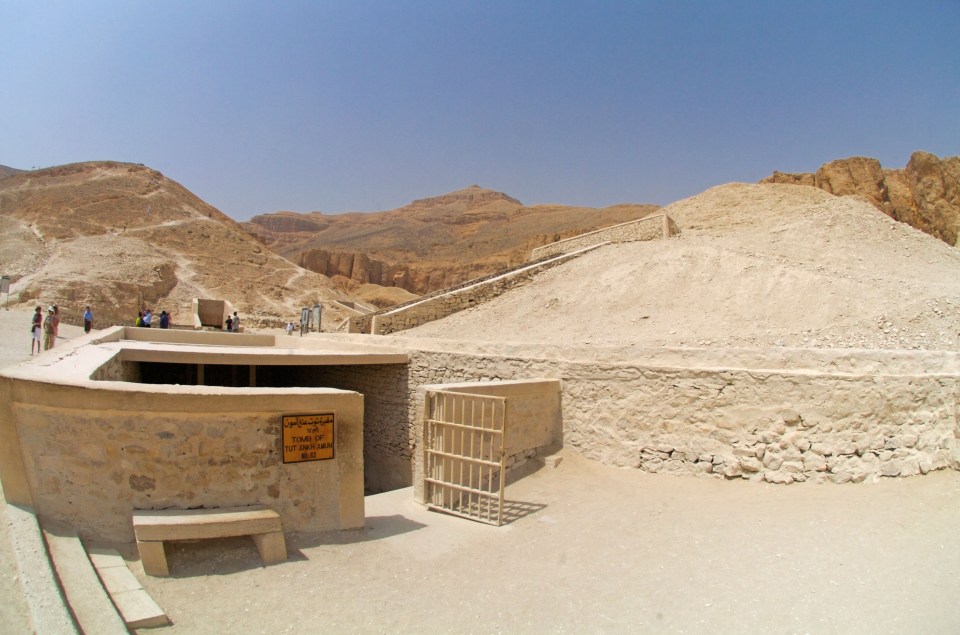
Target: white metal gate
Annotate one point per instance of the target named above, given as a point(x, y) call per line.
point(464, 441)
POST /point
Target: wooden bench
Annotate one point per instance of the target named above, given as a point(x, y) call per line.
point(153, 527)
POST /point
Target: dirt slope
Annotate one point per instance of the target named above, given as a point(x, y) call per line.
point(119, 236)
point(431, 243)
point(755, 265)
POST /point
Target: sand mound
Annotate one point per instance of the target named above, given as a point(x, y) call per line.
point(755, 266)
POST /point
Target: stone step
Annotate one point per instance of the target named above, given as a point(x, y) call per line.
point(88, 601)
point(49, 613)
point(132, 600)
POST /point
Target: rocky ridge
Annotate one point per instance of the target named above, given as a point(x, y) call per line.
point(432, 243)
point(925, 194)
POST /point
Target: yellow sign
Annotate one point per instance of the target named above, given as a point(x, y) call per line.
point(307, 437)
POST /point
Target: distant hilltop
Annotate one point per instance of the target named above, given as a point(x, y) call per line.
point(6, 171)
point(431, 243)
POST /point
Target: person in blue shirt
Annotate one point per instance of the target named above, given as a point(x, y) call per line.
point(164, 320)
point(87, 320)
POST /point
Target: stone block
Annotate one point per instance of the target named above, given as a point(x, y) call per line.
point(779, 478)
point(891, 467)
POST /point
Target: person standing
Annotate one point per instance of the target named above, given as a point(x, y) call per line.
point(49, 329)
point(164, 320)
point(36, 326)
point(147, 318)
point(229, 324)
point(236, 322)
point(56, 324)
point(87, 320)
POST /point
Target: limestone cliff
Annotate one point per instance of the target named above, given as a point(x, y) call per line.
point(431, 243)
point(925, 194)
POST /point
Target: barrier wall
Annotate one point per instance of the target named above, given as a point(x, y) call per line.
point(779, 416)
point(90, 452)
point(441, 305)
point(653, 227)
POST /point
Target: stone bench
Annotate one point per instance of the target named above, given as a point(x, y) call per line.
point(153, 527)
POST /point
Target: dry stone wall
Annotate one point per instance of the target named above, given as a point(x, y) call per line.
point(653, 227)
point(778, 425)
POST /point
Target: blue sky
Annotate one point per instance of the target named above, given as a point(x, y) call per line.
point(339, 106)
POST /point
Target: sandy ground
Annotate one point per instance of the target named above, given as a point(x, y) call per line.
point(598, 550)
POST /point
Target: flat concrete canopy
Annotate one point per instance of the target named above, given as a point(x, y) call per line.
point(165, 352)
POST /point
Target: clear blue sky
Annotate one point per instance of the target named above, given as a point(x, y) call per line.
point(359, 105)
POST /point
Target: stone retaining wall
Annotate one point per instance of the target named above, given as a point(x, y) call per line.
point(444, 304)
point(811, 416)
point(653, 227)
point(90, 455)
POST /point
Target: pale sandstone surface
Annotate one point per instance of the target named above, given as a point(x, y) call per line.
point(754, 266)
point(14, 614)
point(598, 549)
point(623, 550)
point(601, 550)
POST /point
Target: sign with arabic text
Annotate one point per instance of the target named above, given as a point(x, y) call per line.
point(307, 437)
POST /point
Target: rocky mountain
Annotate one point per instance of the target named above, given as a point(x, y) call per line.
point(432, 243)
point(119, 236)
point(925, 194)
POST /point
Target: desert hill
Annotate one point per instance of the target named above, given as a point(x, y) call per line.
point(431, 243)
point(925, 194)
point(119, 236)
point(7, 171)
point(755, 266)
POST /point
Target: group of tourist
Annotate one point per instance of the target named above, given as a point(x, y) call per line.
point(145, 319)
point(45, 330)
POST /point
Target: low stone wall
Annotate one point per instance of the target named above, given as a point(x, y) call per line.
point(444, 304)
point(89, 453)
point(653, 227)
point(801, 415)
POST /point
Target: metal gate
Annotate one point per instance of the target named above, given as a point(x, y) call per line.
point(464, 441)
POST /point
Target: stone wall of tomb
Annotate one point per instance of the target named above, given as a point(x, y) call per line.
point(653, 227)
point(834, 420)
point(90, 456)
